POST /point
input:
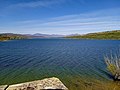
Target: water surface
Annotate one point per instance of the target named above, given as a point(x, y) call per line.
point(67, 59)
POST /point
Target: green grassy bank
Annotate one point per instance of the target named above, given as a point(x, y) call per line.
point(114, 35)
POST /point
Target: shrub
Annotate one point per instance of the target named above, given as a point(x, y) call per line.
point(113, 66)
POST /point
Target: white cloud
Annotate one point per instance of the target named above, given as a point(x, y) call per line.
point(40, 3)
point(68, 24)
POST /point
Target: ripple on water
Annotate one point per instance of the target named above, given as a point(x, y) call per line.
point(63, 58)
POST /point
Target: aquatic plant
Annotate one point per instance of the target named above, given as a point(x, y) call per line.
point(113, 66)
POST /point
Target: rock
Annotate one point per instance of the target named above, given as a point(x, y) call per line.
point(3, 87)
point(48, 83)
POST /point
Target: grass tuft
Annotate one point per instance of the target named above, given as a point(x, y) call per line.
point(113, 66)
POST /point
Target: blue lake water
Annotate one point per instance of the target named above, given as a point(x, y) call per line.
point(32, 59)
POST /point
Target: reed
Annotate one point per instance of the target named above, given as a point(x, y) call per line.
point(113, 66)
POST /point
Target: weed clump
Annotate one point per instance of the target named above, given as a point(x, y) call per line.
point(113, 66)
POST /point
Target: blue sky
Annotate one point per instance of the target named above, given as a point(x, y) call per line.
point(59, 16)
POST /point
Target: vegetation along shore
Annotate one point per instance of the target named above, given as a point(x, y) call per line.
point(112, 35)
point(10, 36)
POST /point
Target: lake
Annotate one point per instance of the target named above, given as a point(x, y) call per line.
point(71, 60)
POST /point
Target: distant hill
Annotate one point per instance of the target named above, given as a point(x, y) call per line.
point(100, 35)
point(47, 35)
point(11, 36)
point(39, 35)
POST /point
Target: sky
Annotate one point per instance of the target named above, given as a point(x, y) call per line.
point(59, 16)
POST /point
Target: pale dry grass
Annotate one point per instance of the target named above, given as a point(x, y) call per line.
point(113, 65)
